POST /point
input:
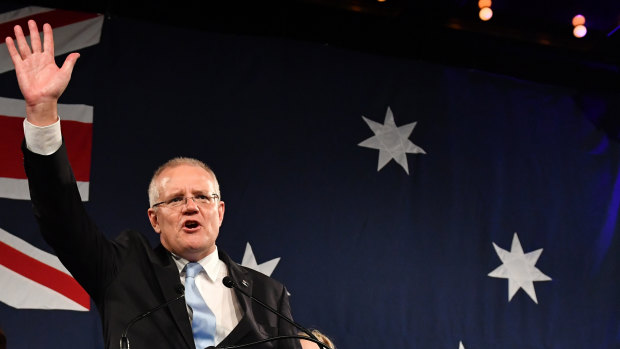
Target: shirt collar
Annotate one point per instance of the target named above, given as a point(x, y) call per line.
point(210, 264)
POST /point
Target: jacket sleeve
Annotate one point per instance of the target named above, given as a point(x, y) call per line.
point(64, 223)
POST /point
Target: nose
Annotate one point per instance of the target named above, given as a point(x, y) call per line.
point(190, 205)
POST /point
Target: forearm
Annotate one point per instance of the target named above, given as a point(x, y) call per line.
point(63, 220)
point(55, 198)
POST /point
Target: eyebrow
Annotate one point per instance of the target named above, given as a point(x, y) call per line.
point(180, 192)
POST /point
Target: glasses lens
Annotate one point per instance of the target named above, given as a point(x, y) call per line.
point(176, 202)
point(200, 200)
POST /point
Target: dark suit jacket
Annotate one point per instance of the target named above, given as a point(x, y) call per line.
point(126, 277)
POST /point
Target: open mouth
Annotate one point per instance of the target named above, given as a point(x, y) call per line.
point(191, 224)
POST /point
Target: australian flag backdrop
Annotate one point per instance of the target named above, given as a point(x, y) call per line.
point(404, 204)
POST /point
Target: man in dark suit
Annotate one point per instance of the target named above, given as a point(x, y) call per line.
point(126, 277)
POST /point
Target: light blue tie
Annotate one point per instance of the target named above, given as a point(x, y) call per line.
point(203, 320)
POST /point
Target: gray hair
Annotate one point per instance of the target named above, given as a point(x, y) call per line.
point(174, 162)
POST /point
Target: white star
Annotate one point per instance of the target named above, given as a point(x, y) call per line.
point(249, 261)
point(392, 141)
point(461, 346)
point(519, 268)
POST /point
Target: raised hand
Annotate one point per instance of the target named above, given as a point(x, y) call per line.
point(40, 80)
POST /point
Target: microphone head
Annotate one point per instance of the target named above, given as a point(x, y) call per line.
point(228, 282)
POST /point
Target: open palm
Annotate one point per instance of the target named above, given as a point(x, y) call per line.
point(40, 80)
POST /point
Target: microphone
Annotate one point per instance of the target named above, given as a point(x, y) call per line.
point(318, 342)
point(230, 283)
point(180, 289)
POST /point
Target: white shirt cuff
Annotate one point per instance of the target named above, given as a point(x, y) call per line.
point(43, 140)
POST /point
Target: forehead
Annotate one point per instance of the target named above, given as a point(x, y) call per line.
point(186, 177)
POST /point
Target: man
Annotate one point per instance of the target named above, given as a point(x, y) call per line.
point(126, 277)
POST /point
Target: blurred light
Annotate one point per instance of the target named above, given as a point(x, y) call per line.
point(580, 31)
point(484, 3)
point(381, 0)
point(579, 20)
point(485, 13)
point(544, 41)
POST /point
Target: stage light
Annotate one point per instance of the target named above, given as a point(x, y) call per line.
point(579, 20)
point(580, 31)
point(484, 3)
point(579, 23)
point(485, 13)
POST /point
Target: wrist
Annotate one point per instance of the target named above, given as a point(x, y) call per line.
point(42, 114)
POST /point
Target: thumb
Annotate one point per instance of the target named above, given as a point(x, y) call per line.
point(67, 66)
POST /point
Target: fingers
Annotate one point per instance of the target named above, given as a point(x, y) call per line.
point(15, 57)
point(48, 39)
point(35, 39)
point(22, 44)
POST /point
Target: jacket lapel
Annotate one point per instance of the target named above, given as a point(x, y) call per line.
point(246, 324)
point(167, 275)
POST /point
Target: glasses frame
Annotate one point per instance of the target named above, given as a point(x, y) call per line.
point(167, 203)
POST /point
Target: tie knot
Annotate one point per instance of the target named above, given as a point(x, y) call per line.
point(192, 269)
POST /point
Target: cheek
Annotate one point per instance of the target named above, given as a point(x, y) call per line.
point(168, 222)
point(214, 219)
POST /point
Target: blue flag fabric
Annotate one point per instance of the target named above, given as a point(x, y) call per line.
point(500, 234)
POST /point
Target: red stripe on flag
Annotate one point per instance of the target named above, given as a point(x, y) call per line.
point(56, 18)
point(43, 274)
point(78, 137)
point(11, 136)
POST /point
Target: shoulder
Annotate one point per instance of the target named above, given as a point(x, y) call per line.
point(133, 244)
point(240, 273)
point(260, 278)
point(131, 238)
point(134, 247)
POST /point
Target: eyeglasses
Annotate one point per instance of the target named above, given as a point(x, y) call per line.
point(179, 201)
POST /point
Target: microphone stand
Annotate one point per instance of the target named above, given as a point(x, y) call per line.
point(318, 342)
point(230, 283)
point(124, 340)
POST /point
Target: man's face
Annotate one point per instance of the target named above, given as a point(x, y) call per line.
point(191, 229)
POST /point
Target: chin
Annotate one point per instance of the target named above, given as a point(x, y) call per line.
point(201, 248)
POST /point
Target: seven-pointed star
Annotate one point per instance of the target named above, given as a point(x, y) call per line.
point(249, 261)
point(392, 141)
point(519, 268)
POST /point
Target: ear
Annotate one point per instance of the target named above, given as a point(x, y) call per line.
point(220, 210)
point(152, 213)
